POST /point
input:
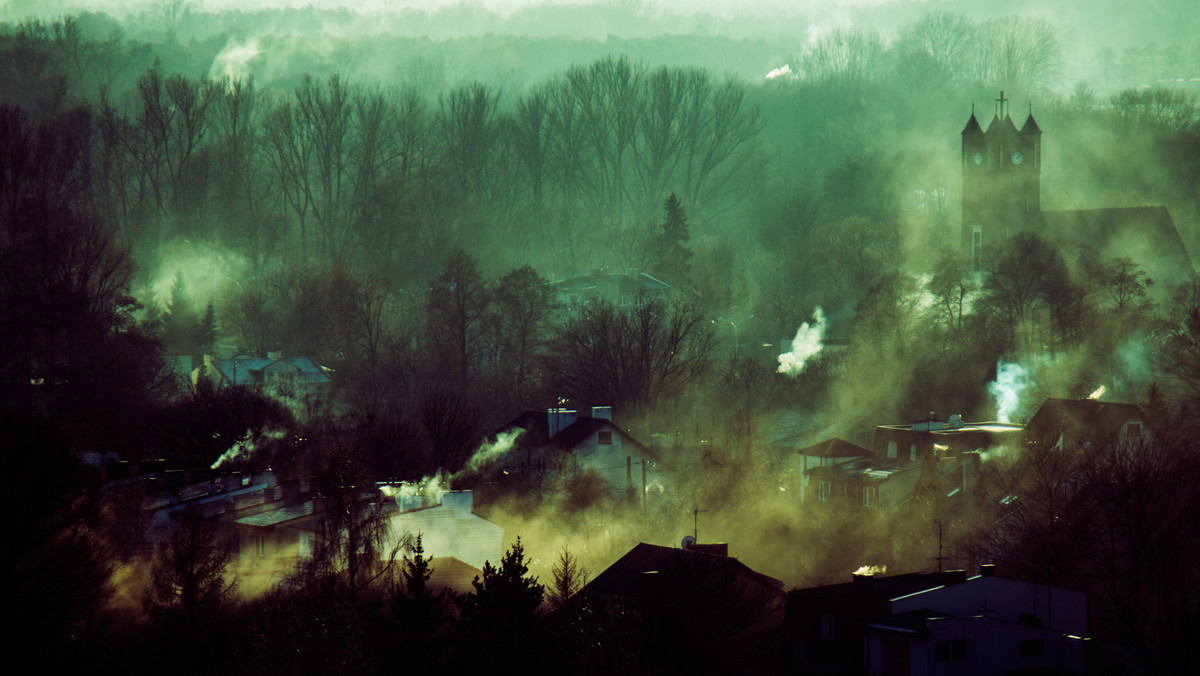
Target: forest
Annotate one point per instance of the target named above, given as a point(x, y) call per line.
point(398, 196)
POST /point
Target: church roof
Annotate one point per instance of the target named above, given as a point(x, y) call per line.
point(1145, 234)
point(1005, 128)
point(1031, 126)
point(972, 127)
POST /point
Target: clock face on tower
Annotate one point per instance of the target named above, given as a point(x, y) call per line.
point(978, 159)
point(1017, 157)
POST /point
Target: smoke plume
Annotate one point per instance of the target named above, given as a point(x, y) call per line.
point(805, 345)
point(244, 448)
point(1011, 380)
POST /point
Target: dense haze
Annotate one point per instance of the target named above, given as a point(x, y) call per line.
point(393, 189)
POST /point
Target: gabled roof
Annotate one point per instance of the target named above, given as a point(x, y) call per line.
point(835, 448)
point(674, 567)
point(537, 432)
point(972, 128)
point(880, 588)
point(1146, 234)
point(1101, 417)
point(1031, 126)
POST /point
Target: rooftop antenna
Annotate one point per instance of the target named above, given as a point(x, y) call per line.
point(696, 521)
point(939, 558)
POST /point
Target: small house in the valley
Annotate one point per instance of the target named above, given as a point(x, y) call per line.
point(1077, 424)
point(300, 374)
point(558, 445)
point(620, 289)
point(937, 623)
point(448, 527)
point(704, 611)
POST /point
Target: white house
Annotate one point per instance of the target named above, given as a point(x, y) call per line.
point(982, 625)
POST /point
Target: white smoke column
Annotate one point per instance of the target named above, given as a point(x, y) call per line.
point(234, 61)
point(805, 345)
point(487, 452)
point(871, 570)
point(1098, 393)
point(783, 72)
point(244, 448)
point(1011, 381)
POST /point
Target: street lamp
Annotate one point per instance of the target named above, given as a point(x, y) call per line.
point(735, 326)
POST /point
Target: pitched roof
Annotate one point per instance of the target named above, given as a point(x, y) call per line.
point(537, 432)
point(1031, 126)
point(835, 448)
point(1101, 417)
point(880, 588)
point(675, 567)
point(972, 128)
point(1146, 234)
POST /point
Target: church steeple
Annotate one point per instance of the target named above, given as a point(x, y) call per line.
point(1001, 179)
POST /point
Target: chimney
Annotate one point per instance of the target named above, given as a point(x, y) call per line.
point(291, 492)
point(953, 577)
point(458, 501)
point(319, 504)
point(231, 482)
point(956, 421)
point(864, 584)
point(558, 419)
point(987, 570)
point(632, 272)
point(602, 412)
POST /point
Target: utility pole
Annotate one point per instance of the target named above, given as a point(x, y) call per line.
point(939, 558)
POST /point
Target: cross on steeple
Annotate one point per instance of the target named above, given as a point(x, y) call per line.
point(1001, 101)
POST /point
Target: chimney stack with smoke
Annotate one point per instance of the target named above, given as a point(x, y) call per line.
point(559, 419)
point(864, 585)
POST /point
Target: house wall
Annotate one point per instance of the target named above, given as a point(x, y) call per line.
point(992, 646)
point(450, 529)
point(1057, 608)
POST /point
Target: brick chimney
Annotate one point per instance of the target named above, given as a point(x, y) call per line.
point(864, 585)
point(559, 419)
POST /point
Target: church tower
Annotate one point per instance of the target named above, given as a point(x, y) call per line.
point(1001, 180)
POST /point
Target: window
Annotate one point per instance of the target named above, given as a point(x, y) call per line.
point(892, 449)
point(604, 437)
point(868, 496)
point(827, 633)
point(260, 545)
point(976, 247)
point(824, 488)
point(950, 651)
point(1133, 430)
point(1033, 647)
point(912, 452)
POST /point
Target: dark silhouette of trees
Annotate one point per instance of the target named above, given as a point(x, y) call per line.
point(569, 577)
point(455, 309)
point(673, 258)
point(191, 589)
point(501, 619)
point(420, 613)
point(629, 358)
point(518, 323)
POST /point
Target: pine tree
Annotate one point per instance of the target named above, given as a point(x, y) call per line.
point(569, 578)
point(501, 619)
point(206, 330)
point(179, 321)
point(674, 257)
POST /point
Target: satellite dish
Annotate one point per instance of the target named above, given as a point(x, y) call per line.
point(688, 541)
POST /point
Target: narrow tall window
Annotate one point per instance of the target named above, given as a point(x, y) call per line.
point(824, 488)
point(976, 247)
point(892, 449)
point(868, 496)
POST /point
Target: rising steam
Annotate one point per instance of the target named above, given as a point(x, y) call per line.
point(871, 570)
point(806, 345)
point(1011, 380)
point(244, 448)
point(489, 452)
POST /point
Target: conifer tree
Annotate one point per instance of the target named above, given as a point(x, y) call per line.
point(674, 257)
